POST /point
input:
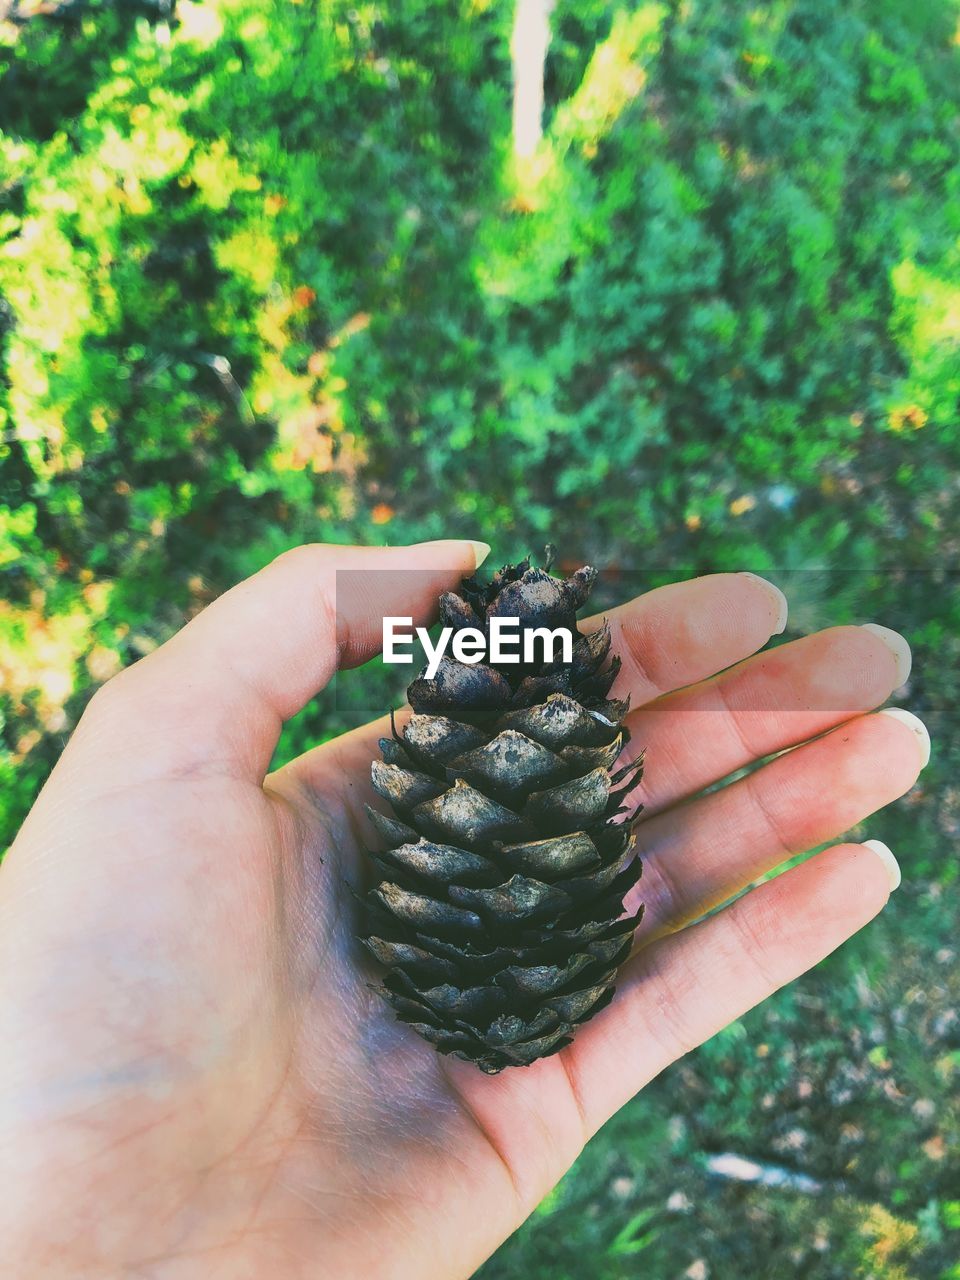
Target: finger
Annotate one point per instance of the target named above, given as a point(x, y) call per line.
point(772, 701)
point(666, 638)
point(675, 635)
point(687, 987)
point(702, 853)
point(214, 697)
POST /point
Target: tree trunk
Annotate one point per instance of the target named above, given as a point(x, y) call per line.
point(528, 48)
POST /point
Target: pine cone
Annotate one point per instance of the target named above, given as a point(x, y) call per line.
point(499, 911)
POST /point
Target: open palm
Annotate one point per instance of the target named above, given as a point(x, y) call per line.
point(197, 1079)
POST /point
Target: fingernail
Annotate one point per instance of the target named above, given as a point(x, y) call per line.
point(777, 597)
point(916, 725)
point(897, 645)
point(480, 552)
point(891, 865)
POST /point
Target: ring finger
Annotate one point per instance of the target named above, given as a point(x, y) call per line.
point(700, 854)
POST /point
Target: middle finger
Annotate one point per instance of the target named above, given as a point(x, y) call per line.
point(774, 700)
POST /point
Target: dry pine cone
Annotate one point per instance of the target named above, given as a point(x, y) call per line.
point(499, 909)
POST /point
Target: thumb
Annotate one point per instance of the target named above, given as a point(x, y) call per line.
point(216, 695)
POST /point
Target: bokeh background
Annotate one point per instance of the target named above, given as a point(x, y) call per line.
point(276, 271)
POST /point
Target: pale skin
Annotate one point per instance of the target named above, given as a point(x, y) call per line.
point(196, 1079)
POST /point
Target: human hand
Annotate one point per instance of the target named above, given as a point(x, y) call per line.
point(197, 1079)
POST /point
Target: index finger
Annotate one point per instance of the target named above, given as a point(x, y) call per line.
point(679, 634)
point(666, 639)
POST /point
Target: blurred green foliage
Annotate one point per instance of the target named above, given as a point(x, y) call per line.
point(270, 272)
